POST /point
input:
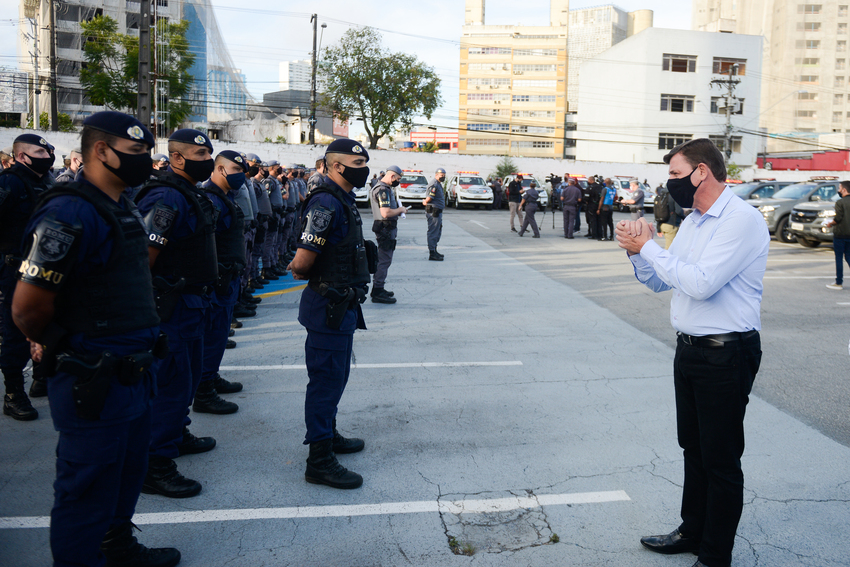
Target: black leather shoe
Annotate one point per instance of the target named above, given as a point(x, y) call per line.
point(251, 300)
point(231, 332)
point(207, 400)
point(344, 446)
point(223, 386)
point(380, 296)
point(164, 478)
point(388, 292)
point(121, 549)
point(323, 468)
point(260, 282)
point(18, 406)
point(191, 445)
point(434, 256)
point(674, 542)
point(236, 324)
point(241, 311)
point(38, 388)
point(270, 275)
point(230, 344)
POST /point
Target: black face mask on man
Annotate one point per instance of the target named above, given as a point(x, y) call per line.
point(133, 169)
point(199, 170)
point(683, 190)
point(357, 176)
point(41, 165)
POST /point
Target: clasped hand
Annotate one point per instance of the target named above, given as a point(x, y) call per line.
point(632, 235)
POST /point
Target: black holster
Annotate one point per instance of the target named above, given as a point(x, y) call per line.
point(166, 296)
point(340, 300)
point(94, 378)
point(225, 277)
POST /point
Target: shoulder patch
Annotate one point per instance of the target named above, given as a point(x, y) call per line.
point(320, 219)
point(55, 243)
point(163, 219)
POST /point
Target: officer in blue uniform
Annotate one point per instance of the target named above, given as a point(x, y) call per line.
point(84, 298)
point(333, 256)
point(435, 202)
point(227, 178)
point(20, 188)
point(180, 219)
point(272, 187)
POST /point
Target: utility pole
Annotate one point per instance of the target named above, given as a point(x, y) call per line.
point(730, 85)
point(315, 20)
point(54, 91)
point(143, 107)
point(36, 121)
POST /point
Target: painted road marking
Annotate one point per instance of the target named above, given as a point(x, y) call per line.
point(282, 291)
point(384, 509)
point(387, 365)
point(481, 224)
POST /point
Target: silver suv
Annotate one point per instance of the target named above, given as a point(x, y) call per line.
point(777, 209)
point(809, 220)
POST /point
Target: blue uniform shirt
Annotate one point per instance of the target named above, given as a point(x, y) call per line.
point(124, 403)
point(225, 220)
point(311, 312)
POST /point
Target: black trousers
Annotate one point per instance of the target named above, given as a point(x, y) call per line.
point(712, 390)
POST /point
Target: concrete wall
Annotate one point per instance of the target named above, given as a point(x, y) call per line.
point(428, 163)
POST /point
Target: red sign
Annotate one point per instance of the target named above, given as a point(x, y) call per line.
point(340, 128)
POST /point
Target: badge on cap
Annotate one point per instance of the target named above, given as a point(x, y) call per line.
point(200, 140)
point(43, 142)
point(135, 132)
point(357, 149)
point(238, 159)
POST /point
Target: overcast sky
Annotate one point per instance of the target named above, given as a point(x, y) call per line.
point(261, 33)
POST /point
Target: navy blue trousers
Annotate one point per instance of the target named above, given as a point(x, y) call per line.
point(99, 474)
point(177, 379)
point(15, 350)
point(841, 246)
point(215, 339)
point(328, 358)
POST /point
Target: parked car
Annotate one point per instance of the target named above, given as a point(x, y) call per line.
point(623, 183)
point(527, 178)
point(808, 222)
point(361, 196)
point(758, 189)
point(411, 187)
point(777, 209)
point(468, 188)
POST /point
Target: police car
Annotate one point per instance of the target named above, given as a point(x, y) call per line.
point(527, 178)
point(412, 187)
point(622, 185)
point(361, 196)
point(468, 188)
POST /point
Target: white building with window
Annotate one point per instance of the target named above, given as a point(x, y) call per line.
point(654, 90)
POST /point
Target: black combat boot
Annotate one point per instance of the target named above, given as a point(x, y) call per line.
point(342, 446)
point(207, 400)
point(38, 388)
point(191, 445)
point(164, 478)
point(230, 344)
point(16, 404)
point(121, 549)
point(437, 253)
point(434, 256)
point(242, 311)
point(235, 323)
point(323, 468)
point(260, 281)
point(223, 386)
point(379, 295)
point(269, 275)
point(231, 332)
point(248, 298)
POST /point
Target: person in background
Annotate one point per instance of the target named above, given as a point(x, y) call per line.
point(605, 211)
point(841, 234)
point(570, 202)
point(496, 187)
point(530, 200)
point(514, 193)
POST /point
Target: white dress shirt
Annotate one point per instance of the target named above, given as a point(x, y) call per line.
point(715, 268)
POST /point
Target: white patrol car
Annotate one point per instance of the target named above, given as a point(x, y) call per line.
point(527, 178)
point(361, 196)
point(411, 187)
point(468, 188)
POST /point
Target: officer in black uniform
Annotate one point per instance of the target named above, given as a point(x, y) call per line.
point(385, 212)
point(20, 188)
point(333, 256)
point(435, 203)
point(180, 219)
point(84, 298)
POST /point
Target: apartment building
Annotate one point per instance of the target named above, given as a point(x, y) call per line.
point(665, 96)
point(513, 85)
point(805, 63)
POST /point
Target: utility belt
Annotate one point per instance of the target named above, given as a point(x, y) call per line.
point(340, 300)
point(716, 341)
point(12, 261)
point(94, 374)
point(383, 230)
point(225, 278)
point(433, 211)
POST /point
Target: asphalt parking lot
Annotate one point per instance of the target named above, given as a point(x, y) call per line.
point(517, 408)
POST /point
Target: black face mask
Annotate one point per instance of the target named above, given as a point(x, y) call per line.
point(41, 165)
point(265, 174)
point(683, 190)
point(133, 169)
point(253, 171)
point(357, 176)
point(394, 183)
point(199, 170)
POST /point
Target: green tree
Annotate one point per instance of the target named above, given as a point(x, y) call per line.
point(429, 147)
point(111, 72)
point(505, 167)
point(734, 171)
point(65, 122)
point(384, 89)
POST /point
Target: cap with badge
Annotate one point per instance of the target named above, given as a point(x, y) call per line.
point(119, 125)
point(273, 162)
point(235, 157)
point(253, 158)
point(395, 169)
point(191, 136)
point(160, 158)
point(35, 140)
point(346, 146)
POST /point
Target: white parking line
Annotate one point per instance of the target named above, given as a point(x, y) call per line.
point(387, 365)
point(481, 224)
point(384, 509)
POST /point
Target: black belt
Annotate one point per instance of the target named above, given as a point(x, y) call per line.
point(715, 341)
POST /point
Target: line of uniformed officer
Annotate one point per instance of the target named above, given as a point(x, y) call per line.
point(435, 203)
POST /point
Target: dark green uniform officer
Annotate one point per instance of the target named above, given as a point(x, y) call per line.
point(333, 256)
point(84, 293)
